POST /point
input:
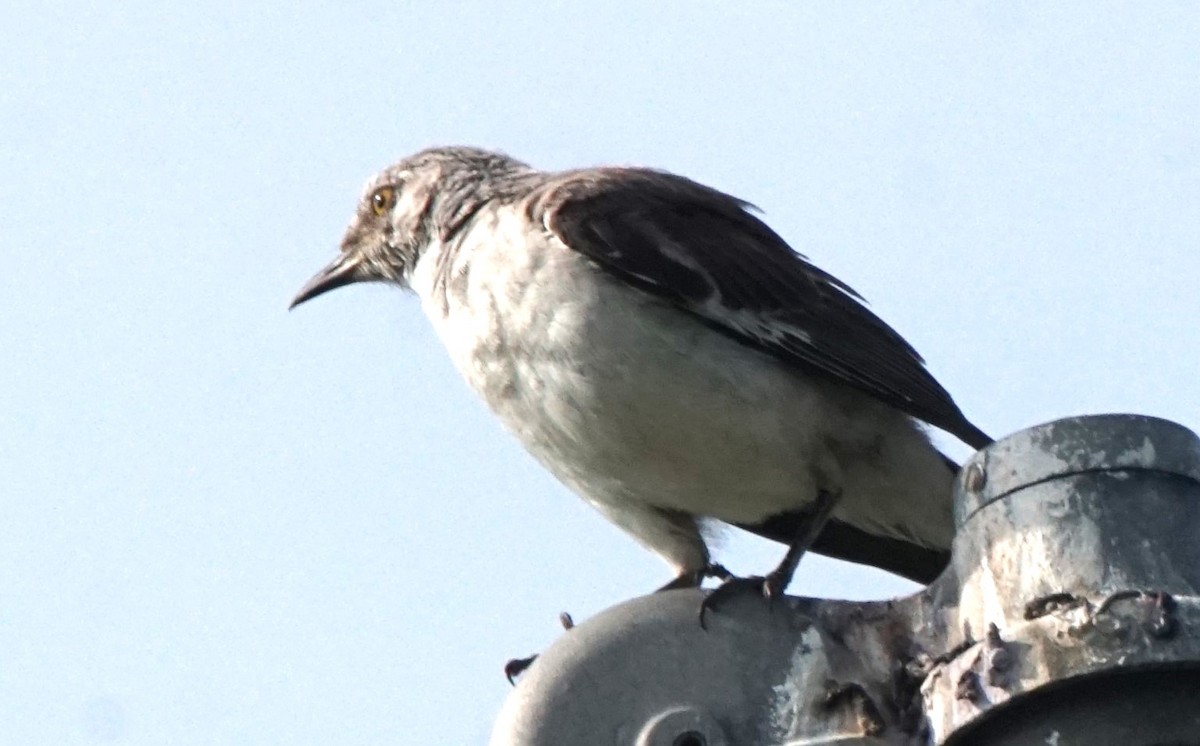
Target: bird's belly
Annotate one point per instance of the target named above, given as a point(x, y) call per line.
point(625, 398)
point(653, 407)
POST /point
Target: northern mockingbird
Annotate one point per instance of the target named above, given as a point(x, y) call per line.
point(668, 357)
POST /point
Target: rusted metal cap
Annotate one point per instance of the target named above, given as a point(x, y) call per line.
point(1071, 446)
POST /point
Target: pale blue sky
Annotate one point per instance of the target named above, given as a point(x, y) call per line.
point(226, 524)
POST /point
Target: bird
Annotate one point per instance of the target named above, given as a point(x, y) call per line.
point(669, 358)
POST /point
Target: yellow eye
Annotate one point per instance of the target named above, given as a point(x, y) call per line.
point(382, 200)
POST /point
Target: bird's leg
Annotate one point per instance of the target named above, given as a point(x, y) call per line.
point(773, 584)
point(693, 578)
point(778, 579)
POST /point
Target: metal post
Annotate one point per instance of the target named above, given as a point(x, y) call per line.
point(1070, 615)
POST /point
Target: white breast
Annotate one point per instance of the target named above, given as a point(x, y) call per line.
point(625, 398)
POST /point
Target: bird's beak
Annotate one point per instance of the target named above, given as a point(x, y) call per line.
point(344, 270)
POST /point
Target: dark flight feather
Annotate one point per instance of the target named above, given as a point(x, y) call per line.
point(705, 252)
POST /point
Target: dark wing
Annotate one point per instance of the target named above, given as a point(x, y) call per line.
point(705, 252)
point(843, 541)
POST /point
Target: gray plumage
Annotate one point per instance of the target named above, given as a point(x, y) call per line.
point(665, 354)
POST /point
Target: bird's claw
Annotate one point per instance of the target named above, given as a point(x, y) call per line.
point(769, 587)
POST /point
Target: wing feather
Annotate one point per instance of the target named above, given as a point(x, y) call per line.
point(705, 252)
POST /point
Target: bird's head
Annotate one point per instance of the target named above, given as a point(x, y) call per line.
point(406, 207)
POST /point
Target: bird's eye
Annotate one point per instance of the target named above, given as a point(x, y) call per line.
point(382, 200)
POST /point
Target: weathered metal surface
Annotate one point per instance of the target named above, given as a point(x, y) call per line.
point(1148, 708)
point(1076, 569)
point(1079, 556)
point(1075, 445)
point(645, 673)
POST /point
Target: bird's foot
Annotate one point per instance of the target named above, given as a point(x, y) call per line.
point(772, 585)
point(769, 587)
point(693, 578)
